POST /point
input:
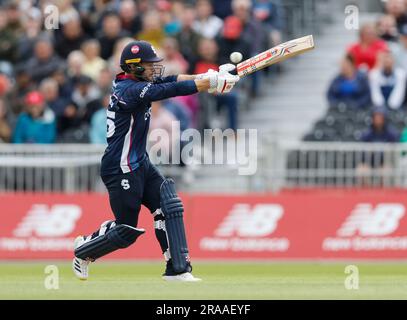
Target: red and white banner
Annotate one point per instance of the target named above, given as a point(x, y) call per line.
point(45, 226)
point(310, 224)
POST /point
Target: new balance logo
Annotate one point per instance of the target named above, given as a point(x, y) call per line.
point(247, 229)
point(368, 221)
point(43, 221)
point(242, 221)
point(369, 228)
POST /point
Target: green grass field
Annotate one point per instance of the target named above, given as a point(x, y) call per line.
point(220, 281)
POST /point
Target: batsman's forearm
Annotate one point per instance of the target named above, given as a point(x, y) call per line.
point(202, 84)
point(184, 77)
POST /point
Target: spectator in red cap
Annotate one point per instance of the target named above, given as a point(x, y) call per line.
point(37, 123)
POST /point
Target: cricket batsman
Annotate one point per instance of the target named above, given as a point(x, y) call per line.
point(129, 176)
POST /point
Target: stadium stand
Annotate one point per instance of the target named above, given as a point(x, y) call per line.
point(282, 102)
point(373, 74)
point(80, 53)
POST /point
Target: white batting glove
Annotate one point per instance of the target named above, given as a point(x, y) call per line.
point(212, 75)
point(226, 80)
point(204, 75)
point(222, 81)
point(213, 80)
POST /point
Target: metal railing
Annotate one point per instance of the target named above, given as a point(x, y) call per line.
point(50, 168)
point(335, 164)
point(280, 164)
point(306, 16)
point(71, 168)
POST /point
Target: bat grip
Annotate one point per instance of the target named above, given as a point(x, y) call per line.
point(234, 72)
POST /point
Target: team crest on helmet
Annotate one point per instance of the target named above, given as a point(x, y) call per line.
point(135, 49)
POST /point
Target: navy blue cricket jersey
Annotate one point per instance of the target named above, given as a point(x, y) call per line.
point(128, 118)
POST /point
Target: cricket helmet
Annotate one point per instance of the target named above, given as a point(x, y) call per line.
point(135, 53)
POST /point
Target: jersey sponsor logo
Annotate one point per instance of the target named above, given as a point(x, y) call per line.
point(248, 229)
point(143, 92)
point(369, 228)
point(125, 184)
point(44, 228)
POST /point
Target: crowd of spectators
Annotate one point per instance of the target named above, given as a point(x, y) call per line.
point(55, 81)
point(368, 97)
point(373, 74)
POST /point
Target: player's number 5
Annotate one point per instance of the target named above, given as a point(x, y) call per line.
point(110, 117)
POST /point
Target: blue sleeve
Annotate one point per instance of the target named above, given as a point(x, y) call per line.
point(159, 91)
point(167, 79)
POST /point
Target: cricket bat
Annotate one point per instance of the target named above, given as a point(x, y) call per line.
point(276, 54)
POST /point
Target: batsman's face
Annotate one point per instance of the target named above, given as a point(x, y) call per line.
point(149, 70)
point(152, 70)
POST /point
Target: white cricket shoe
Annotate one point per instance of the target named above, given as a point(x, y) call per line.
point(80, 267)
point(185, 277)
